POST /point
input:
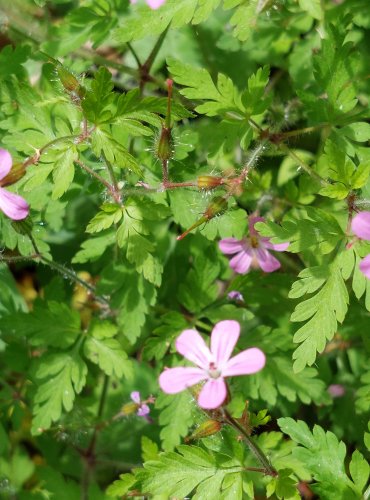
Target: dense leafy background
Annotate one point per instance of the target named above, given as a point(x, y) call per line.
point(94, 287)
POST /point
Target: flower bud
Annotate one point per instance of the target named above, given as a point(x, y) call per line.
point(217, 207)
point(208, 182)
point(129, 409)
point(68, 80)
point(17, 172)
point(164, 149)
point(207, 428)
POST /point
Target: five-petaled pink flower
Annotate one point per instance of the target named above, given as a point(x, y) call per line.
point(11, 204)
point(361, 228)
point(213, 364)
point(252, 251)
point(153, 4)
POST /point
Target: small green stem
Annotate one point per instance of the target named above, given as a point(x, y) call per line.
point(113, 178)
point(300, 131)
point(255, 449)
point(112, 189)
point(303, 164)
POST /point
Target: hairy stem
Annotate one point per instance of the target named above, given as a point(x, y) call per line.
point(268, 469)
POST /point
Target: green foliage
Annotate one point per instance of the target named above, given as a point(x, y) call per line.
point(51, 324)
point(324, 309)
point(267, 112)
point(60, 377)
point(324, 455)
point(177, 416)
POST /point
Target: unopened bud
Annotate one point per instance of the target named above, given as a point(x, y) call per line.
point(208, 182)
point(217, 207)
point(68, 80)
point(17, 172)
point(129, 409)
point(164, 149)
point(207, 428)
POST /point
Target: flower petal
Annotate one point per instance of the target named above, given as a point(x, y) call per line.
point(192, 346)
point(365, 266)
point(246, 362)
point(143, 410)
point(155, 4)
point(229, 246)
point(213, 394)
point(12, 205)
point(278, 247)
point(135, 396)
point(361, 225)
point(242, 262)
point(266, 261)
point(5, 163)
point(224, 337)
point(178, 379)
point(235, 295)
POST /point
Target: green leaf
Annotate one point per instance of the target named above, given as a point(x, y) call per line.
point(131, 295)
point(176, 417)
point(65, 375)
point(324, 457)
point(63, 172)
point(109, 355)
point(244, 18)
point(198, 289)
point(103, 143)
point(122, 486)
point(313, 7)
point(190, 468)
point(149, 449)
point(310, 228)
point(359, 132)
point(363, 394)
point(174, 12)
point(359, 469)
point(221, 97)
point(94, 248)
point(11, 60)
point(132, 235)
point(110, 214)
point(49, 324)
point(323, 310)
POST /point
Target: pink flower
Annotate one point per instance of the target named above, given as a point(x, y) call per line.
point(336, 390)
point(361, 228)
point(11, 204)
point(153, 4)
point(235, 295)
point(143, 409)
point(213, 364)
point(252, 251)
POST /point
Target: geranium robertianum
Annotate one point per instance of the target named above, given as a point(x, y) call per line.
point(213, 364)
point(252, 251)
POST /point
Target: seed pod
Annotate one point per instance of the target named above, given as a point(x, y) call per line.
point(17, 172)
point(68, 80)
point(207, 428)
point(217, 207)
point(209, 182)
point(129, 409)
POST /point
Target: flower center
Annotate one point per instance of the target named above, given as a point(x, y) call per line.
point(213, 372)
point(254, 241)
